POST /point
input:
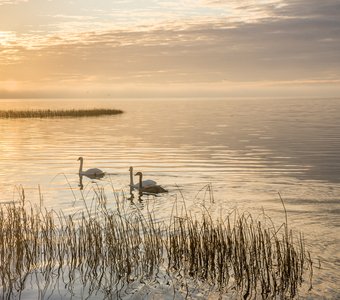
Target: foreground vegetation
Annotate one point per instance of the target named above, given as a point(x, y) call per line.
point(48, 113)
point(108, 250)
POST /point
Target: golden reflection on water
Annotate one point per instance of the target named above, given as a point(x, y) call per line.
point(249, 150)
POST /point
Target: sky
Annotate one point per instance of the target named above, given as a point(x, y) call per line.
point(162, 48)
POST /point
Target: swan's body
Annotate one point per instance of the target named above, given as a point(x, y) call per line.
point(145, 183)
point(91, 173)
point(151, 189)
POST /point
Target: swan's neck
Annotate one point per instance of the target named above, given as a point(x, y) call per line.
point(81, 166)
point(131, 177)
point(140, 181)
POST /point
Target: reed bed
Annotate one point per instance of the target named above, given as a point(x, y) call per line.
point(245, 256)
point(59, 113)
point(106, 250)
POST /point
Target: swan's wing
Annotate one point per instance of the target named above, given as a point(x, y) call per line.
point(94, 176)
point(148, 182)
point(93, 172)
point(145, 183)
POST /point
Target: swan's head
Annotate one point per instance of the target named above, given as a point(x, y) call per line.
point(80, 158)
point(138, 174)
point(131, 169)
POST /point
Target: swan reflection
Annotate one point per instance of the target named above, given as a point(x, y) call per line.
point(81, 186)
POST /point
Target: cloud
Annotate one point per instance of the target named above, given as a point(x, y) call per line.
point(276, 50)
point(291, 45)
point(310, 9)
point(6, 2)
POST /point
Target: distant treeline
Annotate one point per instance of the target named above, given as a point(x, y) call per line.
point(49, 113)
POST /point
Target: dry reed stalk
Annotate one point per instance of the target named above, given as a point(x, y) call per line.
point(107, 250)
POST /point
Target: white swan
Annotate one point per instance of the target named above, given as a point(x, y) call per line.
point(151, 189)
point(91, 173)
point(147, 182)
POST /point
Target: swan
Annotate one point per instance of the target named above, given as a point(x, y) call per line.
point(91, 173)
point(151, 189)
point(145, 183)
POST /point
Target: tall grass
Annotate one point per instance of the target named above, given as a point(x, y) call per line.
point(243, 255)
point(106, 250)
point(49, 113)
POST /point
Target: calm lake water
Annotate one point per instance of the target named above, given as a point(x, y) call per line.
point(248, 150)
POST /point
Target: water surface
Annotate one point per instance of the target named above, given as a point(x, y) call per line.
point(248, 150)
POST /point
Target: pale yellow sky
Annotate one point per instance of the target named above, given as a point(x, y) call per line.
point(154, 48)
